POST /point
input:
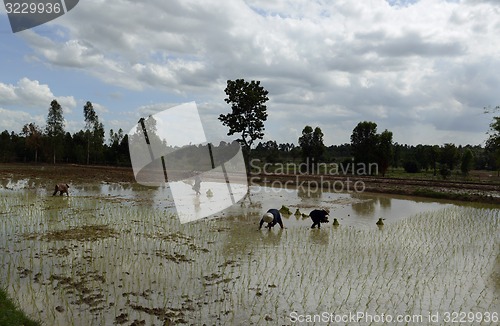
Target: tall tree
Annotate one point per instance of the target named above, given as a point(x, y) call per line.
point(467, 161)
point(306, 142)
point(115, 137)
point(434, 153)
point(318, 145)
point(396, 157)
point(94, 130)
point(33, 135)
point(449, 155)
point(90, 120)
point(5, 147)
point(364, 143)
point(422, 156)
point(311, 143)
point(384, 151)
point(248, 112)
point(55, 127)
point(99, 135)
point(493, 142)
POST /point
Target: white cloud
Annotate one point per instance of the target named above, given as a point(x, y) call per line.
point(7, 93)
point(400, 63)
point(14, 120)
point(32, 94)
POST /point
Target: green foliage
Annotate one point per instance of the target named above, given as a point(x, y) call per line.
point(270, 151)
point(384, 151)
point(411, 166)
point(11, 146)
point(493, 143)
point(151, 136)
point(55, 128)
point(90, 116)
point(94, 131)
point(10, 315)
point(311, 143)
point(444, 171)
point(117, 152)
point(55, 120)
point(115, 137)
point(248, 114)
point(285, 210)
point(33, 135)
point(369, 147)
point(364, 142)
point(248, 110)
point(449, 156)
point(434, 153)
point(422, 156)
point(467, 162)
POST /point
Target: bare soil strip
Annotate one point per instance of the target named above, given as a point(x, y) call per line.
point(486, 192)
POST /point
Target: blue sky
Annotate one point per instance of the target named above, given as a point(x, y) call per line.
point(422, 69)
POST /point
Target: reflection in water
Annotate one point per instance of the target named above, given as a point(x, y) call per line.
point(319, 237)
point(246, 238)
point(16, 185)
point(306, 192)
point(152, 266)
point(54, 208)
point(196, 204)
point(271, 237)
point(365, 208)
point(385, 202)
point(368, 207)
point(360, 210)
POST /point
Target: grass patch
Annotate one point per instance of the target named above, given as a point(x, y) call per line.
point(10, 315)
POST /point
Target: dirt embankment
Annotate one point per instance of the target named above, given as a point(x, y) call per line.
point(68, 173)
point(466, 191)
point(455, 190)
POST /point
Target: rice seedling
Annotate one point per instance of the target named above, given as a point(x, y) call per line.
point(439, 260)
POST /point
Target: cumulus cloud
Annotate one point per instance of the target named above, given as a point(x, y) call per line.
point(32, 94)
point(401, 63)
point(14, 120)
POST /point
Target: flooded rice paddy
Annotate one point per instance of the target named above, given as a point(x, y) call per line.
point(115, 254)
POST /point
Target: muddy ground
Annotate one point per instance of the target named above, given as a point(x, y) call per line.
point(111, 253)
point(487, 190)
point(68, 173)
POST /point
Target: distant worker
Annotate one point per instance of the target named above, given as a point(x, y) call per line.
point(62, 188)
point(197, 185)
point(272, 217)
point(319, 216)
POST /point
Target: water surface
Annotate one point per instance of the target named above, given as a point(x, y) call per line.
point(115, 254)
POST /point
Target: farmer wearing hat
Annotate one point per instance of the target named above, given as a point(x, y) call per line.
point(319, 216)
point(272, 217)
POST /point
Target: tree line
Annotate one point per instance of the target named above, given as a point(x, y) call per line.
point(52, 144)
point(248, 112)
point(439, 159)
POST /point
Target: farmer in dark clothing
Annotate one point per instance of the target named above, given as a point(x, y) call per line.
point(272, 217)
point(62, 188)
point(319, 216)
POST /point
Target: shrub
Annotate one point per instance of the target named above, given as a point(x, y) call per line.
point(411, 167)
point(444, 171)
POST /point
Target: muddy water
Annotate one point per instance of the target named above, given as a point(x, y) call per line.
point(115, 254)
